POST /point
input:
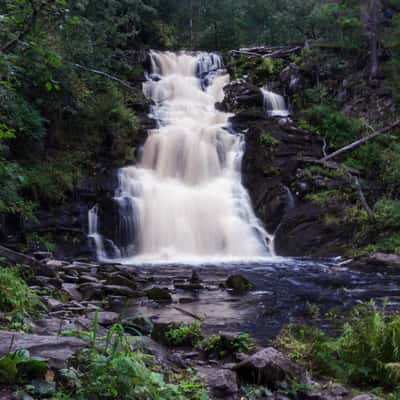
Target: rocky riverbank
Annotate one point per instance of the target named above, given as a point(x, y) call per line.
point(223, 302)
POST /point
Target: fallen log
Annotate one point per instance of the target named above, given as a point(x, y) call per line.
point(272, 52)
point(361, 141)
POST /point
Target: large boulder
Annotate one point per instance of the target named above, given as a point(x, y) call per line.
point(221, 383)
point(269, 367)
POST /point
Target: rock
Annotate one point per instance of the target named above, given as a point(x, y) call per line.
point(377, 262)
point(222, 383)
point(118, 290)
point(161, 295)
point(42, 255)
point(238, 283)
point(195, 278)
point(91, 290)
point(105, 318)
point(338, 390)
point(56, 349)
point(88, 278)
point(366, 397)
point(269, 367)
point(139, 324)
point(117, 279)
point(72, 290)
point(55, 264)
point(51, 303)
point(6, 394)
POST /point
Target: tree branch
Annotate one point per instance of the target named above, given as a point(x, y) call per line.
point(105, 74)
point(361, 141)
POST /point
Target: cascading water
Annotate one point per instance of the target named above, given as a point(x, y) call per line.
point(185, 198)
point(274, 104)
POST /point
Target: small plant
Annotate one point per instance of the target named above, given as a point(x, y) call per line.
point(267, 138)
point(184, 334)
point(20, 366)
point(221, 345)
point(192, 386)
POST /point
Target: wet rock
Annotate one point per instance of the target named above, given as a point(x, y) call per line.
point(117, 279)
point(51, 303)
point(222, 383)
point(366, 397)
point(377, 262)
point(238, 283)
point(88, 278)
point(338, 390)
point(269, 367)
point(118, 290)
point(139, 324)
point(91, 290)
point(56, 349)
point(42, 255)
point(105, 318)
point(160, 295)
point(71, 289)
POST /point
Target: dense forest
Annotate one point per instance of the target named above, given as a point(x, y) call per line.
point(324, 181)
point(71, 71)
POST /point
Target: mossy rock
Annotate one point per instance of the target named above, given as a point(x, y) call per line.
point(238, 283)
point(160, 295)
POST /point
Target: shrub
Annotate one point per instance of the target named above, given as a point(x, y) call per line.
point(15, 295)
point(221, 345)
point(366, 353)
point(387, 213)
point(184, 334)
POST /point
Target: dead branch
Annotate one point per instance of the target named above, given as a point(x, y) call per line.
point(361, 141)
point(108, 76)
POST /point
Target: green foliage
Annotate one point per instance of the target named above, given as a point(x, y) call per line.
point(19, 367)
point(111, 370)
point(366, 353)
point(221, 345)
point(184, 334)
point(335, 126)
point(192, 386)
point(15, 294)
point(387, 213)
point(268, 139)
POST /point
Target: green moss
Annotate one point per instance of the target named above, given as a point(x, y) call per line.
point(238, 283)
point(268, 139)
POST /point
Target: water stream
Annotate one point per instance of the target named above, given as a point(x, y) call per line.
point(184, 199)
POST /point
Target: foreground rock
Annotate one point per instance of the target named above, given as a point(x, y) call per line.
point(377, 262)
point(269, 367)
point(56, 349)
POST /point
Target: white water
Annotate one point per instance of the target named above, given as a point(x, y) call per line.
point(185, 200)
point(274, 104)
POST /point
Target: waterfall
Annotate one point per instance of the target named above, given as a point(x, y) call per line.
point(274, 104)
point(185, 198)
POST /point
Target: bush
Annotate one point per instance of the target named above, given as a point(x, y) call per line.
point(366, 353)
point(387, 213)
point(15, 295)
point(184, 334)
point(110, 370)
point(221, 345)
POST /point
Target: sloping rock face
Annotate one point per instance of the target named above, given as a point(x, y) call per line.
point(276, 174)
point(56, 349)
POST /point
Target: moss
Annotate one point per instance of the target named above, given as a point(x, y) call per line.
point(239, 283)
point(268, 139)
point(161, 295)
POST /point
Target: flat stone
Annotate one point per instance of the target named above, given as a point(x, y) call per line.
point(57, 349)
point(366, 397)
point(55, 263)
point(118, 290)
point(72, 290)
point(91, 290)
point(117, 279)
point(105, 318)
point(51, 303)
point(160, 295)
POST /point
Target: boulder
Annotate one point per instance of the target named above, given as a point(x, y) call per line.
point(71, 289)
point(238, 283)
point(221, 383)
point(160, 295)
point(377, 262)
point(56, 349)
point(269, 367)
